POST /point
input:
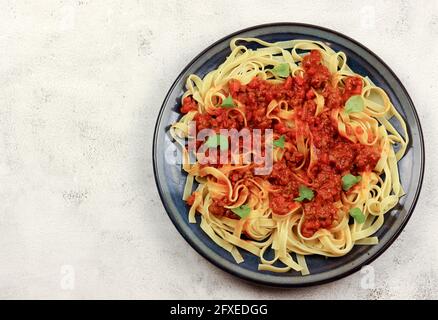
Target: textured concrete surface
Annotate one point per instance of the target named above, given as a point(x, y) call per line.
point(81, 83)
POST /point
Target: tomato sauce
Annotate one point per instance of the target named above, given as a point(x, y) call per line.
point(335, 155)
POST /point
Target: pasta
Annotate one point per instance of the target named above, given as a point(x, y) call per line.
point(327, 143)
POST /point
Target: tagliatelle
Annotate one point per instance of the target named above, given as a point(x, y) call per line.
point(331, 154)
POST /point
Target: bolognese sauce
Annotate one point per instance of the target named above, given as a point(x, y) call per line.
point(335, 154)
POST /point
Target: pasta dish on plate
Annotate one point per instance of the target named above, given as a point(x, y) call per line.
point(288, 152)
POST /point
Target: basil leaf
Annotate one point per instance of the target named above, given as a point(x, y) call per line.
point(305, 193)
point(217, 140)
point(354, 104)
point(357, 214)
point(281, 70)
point(349, 180)
point(279, 142)
point(243, 211)
point(228, 102)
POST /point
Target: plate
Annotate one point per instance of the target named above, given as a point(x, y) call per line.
point(170, 178)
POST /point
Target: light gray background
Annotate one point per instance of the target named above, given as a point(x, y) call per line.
point(81, 83)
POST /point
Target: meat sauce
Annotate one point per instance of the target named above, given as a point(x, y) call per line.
point(336, 155)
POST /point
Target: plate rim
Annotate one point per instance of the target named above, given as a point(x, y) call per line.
point(261, 281)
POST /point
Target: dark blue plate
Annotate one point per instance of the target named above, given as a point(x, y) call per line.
point(170, 179)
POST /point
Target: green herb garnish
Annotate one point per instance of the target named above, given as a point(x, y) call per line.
point(243, 211)
point(354, 104)
point(357, 214)
point(281, 70)
point(217, 140)
point(349, 180)
point(305, 193)
point(228, 102)
point(279, 142)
